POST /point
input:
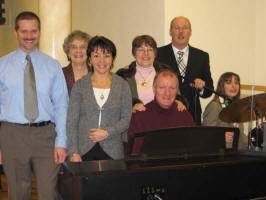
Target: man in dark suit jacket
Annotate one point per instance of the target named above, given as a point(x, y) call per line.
point(197, 74)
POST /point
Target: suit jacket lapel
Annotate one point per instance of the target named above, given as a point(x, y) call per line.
point(190, 60)
point(172, 58)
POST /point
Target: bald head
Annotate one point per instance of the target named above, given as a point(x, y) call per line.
point(180, 18)
point(180, 31)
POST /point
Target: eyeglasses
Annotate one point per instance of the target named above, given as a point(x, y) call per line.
point(142, 50)
point(183, 28)
point(74, 47)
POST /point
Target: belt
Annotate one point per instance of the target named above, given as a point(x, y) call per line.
point(44, 123)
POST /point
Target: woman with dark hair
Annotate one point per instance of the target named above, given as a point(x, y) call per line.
point(75, 46)
point(228, 85)
point(141, 72)
point(99, 108)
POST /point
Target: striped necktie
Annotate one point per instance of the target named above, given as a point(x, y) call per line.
point(31, 111)
point(181, 65)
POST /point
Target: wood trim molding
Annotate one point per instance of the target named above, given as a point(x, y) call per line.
point(249, 87)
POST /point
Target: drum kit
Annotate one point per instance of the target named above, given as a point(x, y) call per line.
point(248, 109)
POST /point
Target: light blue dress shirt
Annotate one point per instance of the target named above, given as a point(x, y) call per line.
point(50, 85)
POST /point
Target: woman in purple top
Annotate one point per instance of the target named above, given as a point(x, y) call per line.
point(75, 46)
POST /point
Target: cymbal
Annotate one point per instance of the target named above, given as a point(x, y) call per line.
point(240, 111)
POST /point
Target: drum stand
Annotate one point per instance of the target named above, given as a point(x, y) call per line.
point(255, 140)
point(245, 110)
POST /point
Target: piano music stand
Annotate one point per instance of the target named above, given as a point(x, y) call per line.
point(183, 142)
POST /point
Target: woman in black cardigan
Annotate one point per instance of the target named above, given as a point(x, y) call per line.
point(141, 72)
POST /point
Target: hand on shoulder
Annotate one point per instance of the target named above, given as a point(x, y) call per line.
point(138, 107)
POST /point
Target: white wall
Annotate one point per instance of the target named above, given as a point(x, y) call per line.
point(260, 44)
point(120, 21)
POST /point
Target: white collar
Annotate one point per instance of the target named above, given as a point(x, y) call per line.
point(185, 50)
point(221, 99)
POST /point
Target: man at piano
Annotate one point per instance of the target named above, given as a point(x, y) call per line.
point(161, 112)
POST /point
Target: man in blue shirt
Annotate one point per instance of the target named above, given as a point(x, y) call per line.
point(35, 145)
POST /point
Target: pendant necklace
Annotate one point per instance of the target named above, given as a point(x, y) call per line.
point(144, 82)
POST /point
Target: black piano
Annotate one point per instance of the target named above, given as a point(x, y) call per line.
point(192, 170)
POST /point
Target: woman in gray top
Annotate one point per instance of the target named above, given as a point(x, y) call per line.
point(228, 85)
point(99, 108)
